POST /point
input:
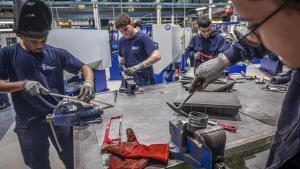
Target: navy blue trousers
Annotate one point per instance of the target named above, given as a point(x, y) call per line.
point(35, 145)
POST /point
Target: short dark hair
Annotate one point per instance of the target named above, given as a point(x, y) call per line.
point(122, 21)
point(204, 22)
point(137, 23)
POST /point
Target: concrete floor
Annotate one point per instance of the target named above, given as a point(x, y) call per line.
point(11, 155)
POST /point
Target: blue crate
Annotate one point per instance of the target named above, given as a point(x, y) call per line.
point(237, 68)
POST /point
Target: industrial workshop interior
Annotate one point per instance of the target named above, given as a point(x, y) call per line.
point(134, 84)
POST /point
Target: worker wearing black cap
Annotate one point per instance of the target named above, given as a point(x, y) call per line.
point(29, 70)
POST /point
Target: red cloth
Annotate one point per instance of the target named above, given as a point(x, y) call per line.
point(132, 149)
point(117, 163)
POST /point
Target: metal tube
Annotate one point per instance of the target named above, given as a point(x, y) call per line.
point(55, 136)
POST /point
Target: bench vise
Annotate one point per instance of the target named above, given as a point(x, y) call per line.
point(129, 85)
point(203, 148)
point(73, 113)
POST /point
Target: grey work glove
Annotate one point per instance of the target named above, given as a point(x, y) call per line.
point(34, 88)
point(87, 91)
point(133, 69)
point(207, 72)
point(121, 63)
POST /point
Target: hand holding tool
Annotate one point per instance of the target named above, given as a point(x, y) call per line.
point(34, 88)
point(87, 91)
point(207, 72)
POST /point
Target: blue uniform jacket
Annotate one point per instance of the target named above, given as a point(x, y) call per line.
point(286, 142)
point(136, 50)
point(212, 46)
point(18, 64)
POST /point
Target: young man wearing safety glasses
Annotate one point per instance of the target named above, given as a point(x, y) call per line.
point(273, 25)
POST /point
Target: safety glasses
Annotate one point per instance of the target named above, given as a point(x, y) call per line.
point(250, 35)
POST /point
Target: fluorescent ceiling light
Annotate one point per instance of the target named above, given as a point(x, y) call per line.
point(6, 22)
point(229, 2)
point(6, 30)
point(200, 9)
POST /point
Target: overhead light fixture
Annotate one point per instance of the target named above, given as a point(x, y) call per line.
point(81, 6)
point(6, 30)
point(229, 2)
point(6, 22)
point(201, 8)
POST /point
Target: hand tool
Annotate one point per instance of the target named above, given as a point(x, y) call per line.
point(186, 99)
point(96, 103)
point(227, 127)
point(62, 96)
point(107, 139)
point(115, 96)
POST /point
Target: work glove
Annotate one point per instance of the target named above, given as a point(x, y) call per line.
point(87, 91)
point(34, 88)
point(207, 72)
point(196, 55)
point(132, 149)
point(133, 69)
point(121, 63)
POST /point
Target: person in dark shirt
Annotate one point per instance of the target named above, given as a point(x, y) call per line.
point(205, 45)
point(137, 52)
point(29, 70)
point(267, 28)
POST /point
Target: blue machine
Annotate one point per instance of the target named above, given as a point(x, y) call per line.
point(204, 148)
point(114, 70)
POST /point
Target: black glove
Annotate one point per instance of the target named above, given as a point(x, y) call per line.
point(87, 91)
point(133, 69)
point(34, 88)
point(207, 72)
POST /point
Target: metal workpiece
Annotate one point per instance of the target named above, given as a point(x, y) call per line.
point(149, 117)
point(215, 104)
point(196, 121)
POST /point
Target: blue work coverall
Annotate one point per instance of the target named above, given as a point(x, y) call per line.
point(18, 64)
point(212, 46)
point(136, 50)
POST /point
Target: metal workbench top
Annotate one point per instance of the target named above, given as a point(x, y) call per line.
point(149, 116)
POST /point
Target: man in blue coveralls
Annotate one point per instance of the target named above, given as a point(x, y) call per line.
point(208, 44)
point(267, 24)
point(29, 70)
point(136, 51)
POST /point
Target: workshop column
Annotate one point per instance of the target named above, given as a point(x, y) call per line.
point(158, 12)
point(210, 9)
point(96, 15)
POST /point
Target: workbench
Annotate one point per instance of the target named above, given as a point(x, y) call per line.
point(148, 115)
